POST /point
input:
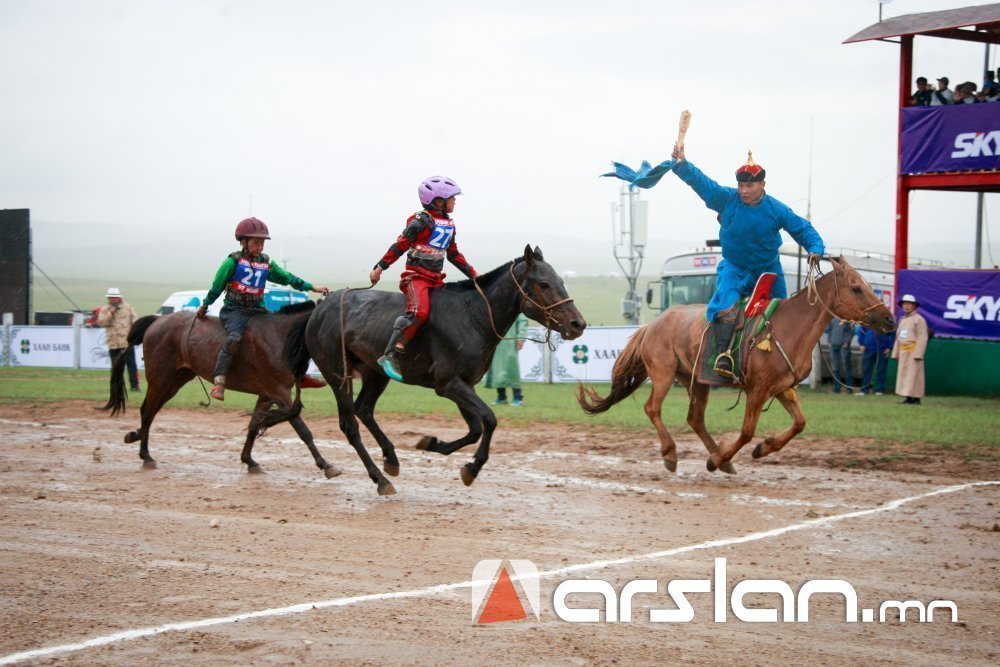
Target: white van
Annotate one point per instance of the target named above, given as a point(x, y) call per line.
point(274, 299)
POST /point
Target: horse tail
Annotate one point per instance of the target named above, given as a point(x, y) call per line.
point(117, 397)
point(261, 421)
point(296, 353)
point(627, 375)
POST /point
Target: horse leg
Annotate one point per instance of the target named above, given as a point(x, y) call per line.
point(306, 436)
point(790, 400)
point(755, 405)
point(698, 401)
point(430, 443)
point(157, 394)
point(480, 419)
point(373, 385)
point(663, 377)
point(263, 405)
point(349, 426)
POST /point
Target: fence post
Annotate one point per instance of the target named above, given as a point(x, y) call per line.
point(77, 325)
point(546, 364)
point(8, 321)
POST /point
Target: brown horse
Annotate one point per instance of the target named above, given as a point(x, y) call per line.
point(177, 347)
point(671, 347)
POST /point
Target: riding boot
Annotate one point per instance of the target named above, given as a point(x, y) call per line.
point(222, 364)
point(309, 382)
point(724, 330)
point(389, 361)
point(219, 389)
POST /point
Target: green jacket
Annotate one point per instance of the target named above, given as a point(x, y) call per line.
point(276, 274)
point(505, 370)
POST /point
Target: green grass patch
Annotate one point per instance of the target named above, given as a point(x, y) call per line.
point(964, 425)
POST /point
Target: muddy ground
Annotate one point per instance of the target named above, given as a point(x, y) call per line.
point(92, 545)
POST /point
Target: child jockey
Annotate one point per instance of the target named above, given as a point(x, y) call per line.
point(242, 276)
point(429, 236)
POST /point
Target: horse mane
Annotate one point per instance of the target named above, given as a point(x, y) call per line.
point(484, 280)
point(293, 308)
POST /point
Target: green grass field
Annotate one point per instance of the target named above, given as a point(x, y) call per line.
point(966, 426)
point(598, 298)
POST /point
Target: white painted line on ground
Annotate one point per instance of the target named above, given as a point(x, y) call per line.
point(441, 588)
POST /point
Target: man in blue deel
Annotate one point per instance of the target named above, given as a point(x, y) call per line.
point(750, 223)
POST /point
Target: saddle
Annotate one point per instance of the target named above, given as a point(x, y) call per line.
point(753, 315)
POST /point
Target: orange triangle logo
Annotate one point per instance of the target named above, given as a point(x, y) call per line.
point(503, 603)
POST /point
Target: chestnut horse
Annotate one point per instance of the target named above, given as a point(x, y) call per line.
point(671, 348)
point(177, 347)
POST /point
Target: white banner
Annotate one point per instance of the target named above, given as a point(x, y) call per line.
point(589, 358)
point(94, 350)
point(42, 346)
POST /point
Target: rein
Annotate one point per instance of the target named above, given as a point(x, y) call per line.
point(549, 320)
point(208, 399)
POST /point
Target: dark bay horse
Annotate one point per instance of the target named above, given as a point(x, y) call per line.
point(670, 348)
point(177, 347)
point(449, 354)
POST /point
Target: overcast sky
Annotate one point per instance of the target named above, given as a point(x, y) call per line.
point(139, 119)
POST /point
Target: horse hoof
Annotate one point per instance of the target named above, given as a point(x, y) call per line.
point(149, 464)
point(670, 465)
point(331, 472)
point(758, 451)
point(468, 476)
point(385, 488)
point(711, 465)
point(728, 468)
point(391, 469)
point(255, 469)
point(131, 437)
point(426, 442)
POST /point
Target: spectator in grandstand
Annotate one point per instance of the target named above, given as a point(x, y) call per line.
point(990, 85)
point(909, 348)
point(965, 93)
point(922, 96)
point(943, 94)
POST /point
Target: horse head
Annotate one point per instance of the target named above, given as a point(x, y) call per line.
point(855, 301)
point(544, 297)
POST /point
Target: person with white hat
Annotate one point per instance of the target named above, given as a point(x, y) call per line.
point(117, 317)
point(909, 348)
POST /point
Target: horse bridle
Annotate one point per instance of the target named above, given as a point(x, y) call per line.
point(545, 310)
point(815, 298)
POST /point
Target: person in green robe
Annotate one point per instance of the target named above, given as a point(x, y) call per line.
point(505, 372)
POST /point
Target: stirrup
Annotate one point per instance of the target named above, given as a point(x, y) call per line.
point(722, 367)
point(309, 382)
point(388, 364)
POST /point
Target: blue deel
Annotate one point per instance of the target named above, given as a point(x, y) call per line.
point(750, 236)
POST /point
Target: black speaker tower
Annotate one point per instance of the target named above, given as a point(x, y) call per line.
point(15, 263)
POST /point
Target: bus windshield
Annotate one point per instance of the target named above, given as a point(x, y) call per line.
point(682, 290)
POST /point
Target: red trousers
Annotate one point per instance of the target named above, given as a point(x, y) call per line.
point(417, 288)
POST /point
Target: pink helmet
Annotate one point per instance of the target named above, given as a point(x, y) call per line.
point(437, 186)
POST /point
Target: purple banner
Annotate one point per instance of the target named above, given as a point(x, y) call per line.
point(962, 137)
point(956, 304)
